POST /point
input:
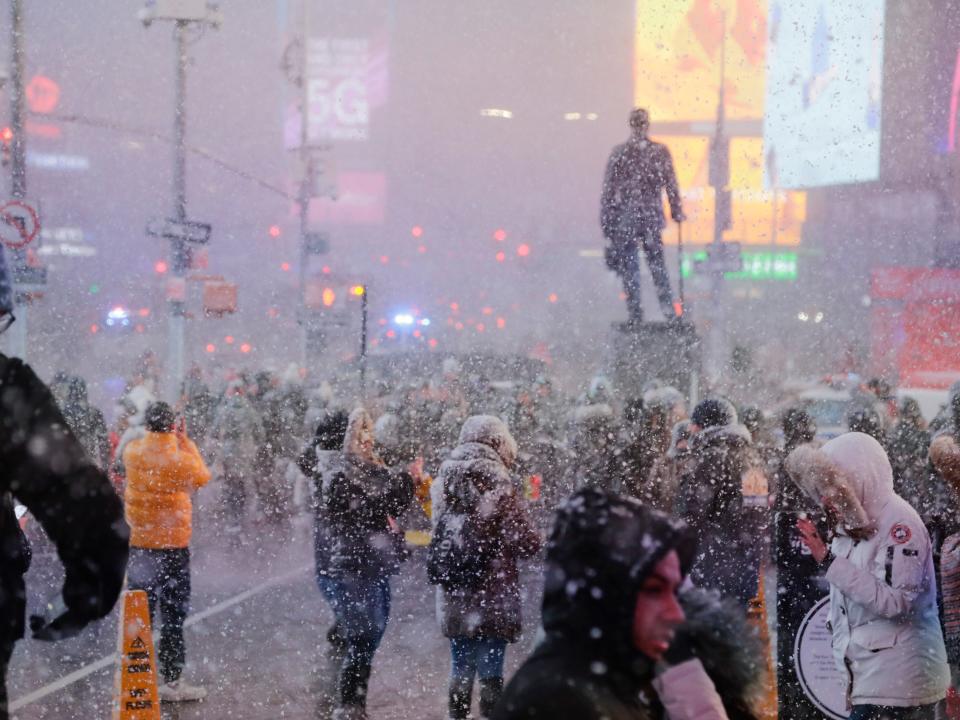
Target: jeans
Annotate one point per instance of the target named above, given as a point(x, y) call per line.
point(652, 245)
point(880, 712)
point(165, 576)
point(476, 656)
point(361, 606)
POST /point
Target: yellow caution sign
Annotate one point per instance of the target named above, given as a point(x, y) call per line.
point(417, 538)
point(767, 703)
point(135, 690)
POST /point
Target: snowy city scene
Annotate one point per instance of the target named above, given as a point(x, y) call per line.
point(501, 360)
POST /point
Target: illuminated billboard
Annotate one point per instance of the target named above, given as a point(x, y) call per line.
point(824, 77)
point(678, 51)
point(677, 58)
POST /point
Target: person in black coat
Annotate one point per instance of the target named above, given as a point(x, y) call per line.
point(724, 499)
point(43, 466)
point(631, 212)
point(610, 614)
point(86, 422)
point(360, 498)
point(318, 457)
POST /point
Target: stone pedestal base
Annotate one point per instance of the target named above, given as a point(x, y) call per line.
point(669, 352)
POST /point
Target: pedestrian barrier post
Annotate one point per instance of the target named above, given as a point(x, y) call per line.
point(135, 688)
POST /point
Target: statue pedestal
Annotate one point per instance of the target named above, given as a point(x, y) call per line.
point(669, 352)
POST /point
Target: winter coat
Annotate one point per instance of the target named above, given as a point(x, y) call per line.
point(320, 464)
point(163, 471)
point(638, 171)
point(887, 638)
point(358, 498)
point(663, 482)
point(199, 409)
point(945, 457)
point(944, 423)
point(587, 666)
point(237, 433)
point(640, 449)
point(480, 493)
point(731, 650)
point(491, 433)
point(44, 467)
point(724, 500)
point(596, 462)
point(87, 423)
point(907, 445)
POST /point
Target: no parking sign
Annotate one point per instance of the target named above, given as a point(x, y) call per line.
point(19, 223)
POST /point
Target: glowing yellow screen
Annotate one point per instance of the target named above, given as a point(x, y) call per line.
point(677, 60)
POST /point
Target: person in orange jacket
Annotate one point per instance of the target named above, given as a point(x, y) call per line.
point(164, 468)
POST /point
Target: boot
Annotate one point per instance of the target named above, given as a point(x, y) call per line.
point(490, 691)
point(461, 695)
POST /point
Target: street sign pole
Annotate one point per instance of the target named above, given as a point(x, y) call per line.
point(179, 229)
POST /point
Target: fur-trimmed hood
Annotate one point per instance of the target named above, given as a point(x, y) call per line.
point(493, 432)
point(472, 471)
point(851, 473)
point(734, 434)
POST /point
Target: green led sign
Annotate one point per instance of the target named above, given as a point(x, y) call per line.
point(761, 265)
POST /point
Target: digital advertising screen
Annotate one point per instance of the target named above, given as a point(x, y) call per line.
point(679, 49)
point(824, 78)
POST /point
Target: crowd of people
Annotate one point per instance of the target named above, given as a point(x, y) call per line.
point(655, 524)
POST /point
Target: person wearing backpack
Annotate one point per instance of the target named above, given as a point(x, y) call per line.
point(482, 529)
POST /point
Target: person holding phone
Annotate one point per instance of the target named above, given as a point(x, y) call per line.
point(164, 469)
point(887, 640)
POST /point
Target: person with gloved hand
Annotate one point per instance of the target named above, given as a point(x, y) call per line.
point(611, 614)
point(43, 466)
point(886, 634)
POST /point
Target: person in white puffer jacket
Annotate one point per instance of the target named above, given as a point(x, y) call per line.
point(887, 637)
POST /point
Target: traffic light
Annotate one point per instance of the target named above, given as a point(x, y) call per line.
point(6, 138)
point(329, 297)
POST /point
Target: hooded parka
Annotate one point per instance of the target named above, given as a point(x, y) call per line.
point(724, 499)
point(600, 551)
point(477, 488)
point(883, 596)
